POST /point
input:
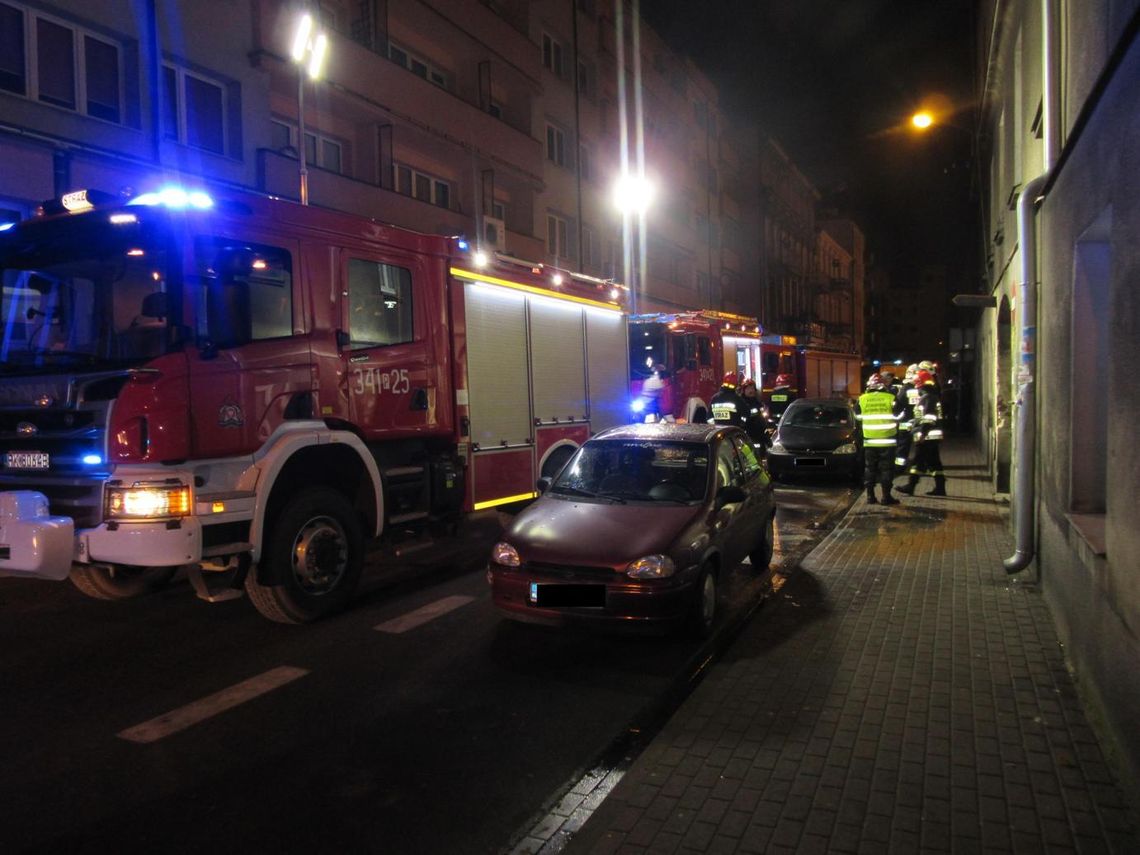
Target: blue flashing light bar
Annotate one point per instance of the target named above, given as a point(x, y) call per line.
point(177, 198)
point(92, 460)
point(463, 245)
point(5, 226)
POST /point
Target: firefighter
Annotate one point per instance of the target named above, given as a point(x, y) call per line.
point(927, 434)
point(755, 416)
point(782, 396)
point(728, 408)
point(907, 397)
point(878, 413)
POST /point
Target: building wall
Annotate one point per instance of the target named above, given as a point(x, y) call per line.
point(1087, 466)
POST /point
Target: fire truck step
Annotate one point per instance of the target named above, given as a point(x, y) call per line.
point(226, 585)
point(403, 518)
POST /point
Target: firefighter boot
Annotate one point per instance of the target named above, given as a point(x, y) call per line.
point(888, 499)
point(939, 486)
point(908, 488)
point(871, 500)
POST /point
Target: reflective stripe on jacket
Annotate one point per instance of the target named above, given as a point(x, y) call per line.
point(877, 414)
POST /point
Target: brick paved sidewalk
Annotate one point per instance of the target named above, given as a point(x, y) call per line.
point(903, 695)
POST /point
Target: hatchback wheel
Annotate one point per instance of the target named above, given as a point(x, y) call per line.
point(704, 608)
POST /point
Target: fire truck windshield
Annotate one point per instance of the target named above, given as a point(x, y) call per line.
point(647, 349)
point(67, 303)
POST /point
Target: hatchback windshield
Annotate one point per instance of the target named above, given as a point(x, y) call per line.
point(637, 470)
point(817, 416)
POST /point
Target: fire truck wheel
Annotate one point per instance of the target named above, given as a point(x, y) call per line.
point(119, 581)
point(314, 552)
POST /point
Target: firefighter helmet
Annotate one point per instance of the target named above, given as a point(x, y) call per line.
point(746, 384)
point(927, 365)
point(783, 380)
point(729, 379)
point(875, 383)
point(911, 370)
point(923, 377)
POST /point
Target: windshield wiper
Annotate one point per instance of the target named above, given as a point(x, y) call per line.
point(563, 489)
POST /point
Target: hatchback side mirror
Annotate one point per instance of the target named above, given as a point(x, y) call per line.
point(543, 483)
point(730, 494)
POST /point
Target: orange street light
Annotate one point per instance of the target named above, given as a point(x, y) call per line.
point(922, 120)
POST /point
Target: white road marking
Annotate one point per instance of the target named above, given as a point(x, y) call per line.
point(423, 614)
point(200, 710)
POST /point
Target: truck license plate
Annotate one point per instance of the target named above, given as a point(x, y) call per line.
point(27, 460)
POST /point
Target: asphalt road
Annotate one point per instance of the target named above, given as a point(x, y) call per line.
point(418, 721)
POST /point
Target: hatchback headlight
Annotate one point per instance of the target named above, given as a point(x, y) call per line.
point(651, 567)
point(846, 448)
point(147, 501)
point(778, 447)
point(505, 555)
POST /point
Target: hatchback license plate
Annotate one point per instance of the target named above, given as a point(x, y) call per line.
point(568, 596)
point(809, 461)
point(27, 460)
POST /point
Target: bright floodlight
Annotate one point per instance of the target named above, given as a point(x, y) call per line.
point(301, 37)
point(922, 120)
point(633, 193)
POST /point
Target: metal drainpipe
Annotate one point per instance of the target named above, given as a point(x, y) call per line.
point(1024, 497)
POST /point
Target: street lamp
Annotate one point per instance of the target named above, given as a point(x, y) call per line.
point(632, 195)
point(309, 48)
point(922, 120)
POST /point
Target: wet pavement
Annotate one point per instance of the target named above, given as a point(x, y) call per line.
point(901, 694)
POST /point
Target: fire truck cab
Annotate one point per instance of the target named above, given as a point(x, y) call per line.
point(250, 389)
point(677, 360)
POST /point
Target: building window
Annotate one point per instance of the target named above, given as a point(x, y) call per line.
point(60, 64)
point(552, 54)
point(420, 185)
point(320, 151)
point(557, 237)
point(585, 81)
point(555, 145)
point(379, 304)
point(194, 109)
point(417, 65)
point(588, 259)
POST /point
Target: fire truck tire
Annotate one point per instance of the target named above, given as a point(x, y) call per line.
point(119, 581)
point(314, 552)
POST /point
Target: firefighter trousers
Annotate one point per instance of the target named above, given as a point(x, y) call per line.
point(878, 466)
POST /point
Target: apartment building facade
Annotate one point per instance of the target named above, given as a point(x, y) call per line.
point(1059, 407)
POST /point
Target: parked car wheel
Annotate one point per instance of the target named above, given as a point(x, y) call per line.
point(761, 557)
point(704, 608)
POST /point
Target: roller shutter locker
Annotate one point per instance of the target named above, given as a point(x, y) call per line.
point(558, 361)
point(497, 367)
point(608, 363)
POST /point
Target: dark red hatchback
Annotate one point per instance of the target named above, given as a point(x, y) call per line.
point(638, 527)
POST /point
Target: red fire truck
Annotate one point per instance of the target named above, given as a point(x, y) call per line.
point(249, 389)
point(677, 360)
point(815, 373)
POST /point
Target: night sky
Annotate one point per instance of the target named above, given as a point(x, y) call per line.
point(834, 81)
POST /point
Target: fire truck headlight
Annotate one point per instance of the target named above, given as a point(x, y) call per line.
point(638, 405)
point(147, 502)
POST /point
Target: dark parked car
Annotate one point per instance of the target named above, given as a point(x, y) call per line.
point(817, 436)
point(638, 528)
